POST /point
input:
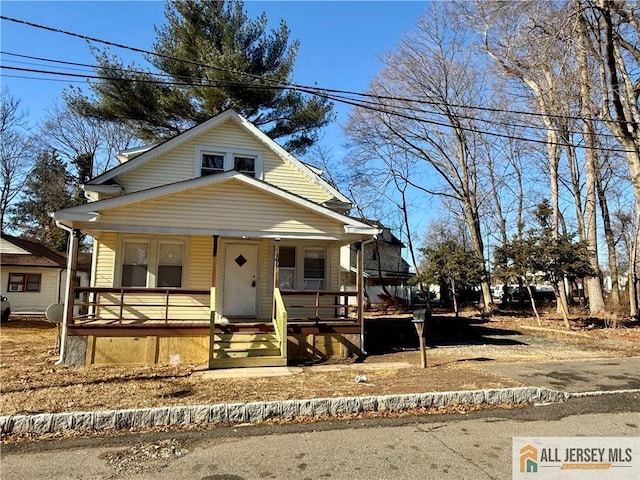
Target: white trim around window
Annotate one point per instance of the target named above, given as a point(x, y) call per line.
point(294, 275)
point(150, 260)
point(226, 159)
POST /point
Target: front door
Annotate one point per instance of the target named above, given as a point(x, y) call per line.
point(240, 277)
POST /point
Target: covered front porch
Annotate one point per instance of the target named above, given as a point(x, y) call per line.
point(140, 325)
point(223, 270)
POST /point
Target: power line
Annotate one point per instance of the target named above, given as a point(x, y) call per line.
point(330, 94)
point(368, 105)
point(290, 85)
point(490, 121)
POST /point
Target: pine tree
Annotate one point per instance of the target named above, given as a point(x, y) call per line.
point(48, 188)
point(231, 62)
point(452, 265)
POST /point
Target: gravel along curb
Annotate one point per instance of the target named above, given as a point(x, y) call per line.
point(236, 413)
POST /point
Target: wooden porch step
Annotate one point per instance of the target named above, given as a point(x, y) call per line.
point(248, 362)
point(240, 346)
point(245, 337)
point(244, 328)
point(249, 353)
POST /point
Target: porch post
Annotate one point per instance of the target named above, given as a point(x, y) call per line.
point(359, 292)
point(212, 300)
point(276, 272)
point(72, 262)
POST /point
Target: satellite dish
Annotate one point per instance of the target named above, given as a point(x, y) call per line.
point(54, 312)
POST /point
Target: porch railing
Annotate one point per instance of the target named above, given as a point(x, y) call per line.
point(280, 317)
point(125, 305)
point(320, 306)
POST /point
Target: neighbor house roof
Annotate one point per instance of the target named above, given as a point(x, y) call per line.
point(37, 255)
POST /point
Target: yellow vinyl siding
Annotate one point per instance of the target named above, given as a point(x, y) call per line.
point(285, 176)
point(105, 260)
point(231, 205)
point(334, 267)
point(200, 262)
point(178, 164)
point(266, 299)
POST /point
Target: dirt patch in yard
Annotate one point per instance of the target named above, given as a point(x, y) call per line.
point(32, 383)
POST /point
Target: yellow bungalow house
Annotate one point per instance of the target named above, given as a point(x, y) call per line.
point(216, 247)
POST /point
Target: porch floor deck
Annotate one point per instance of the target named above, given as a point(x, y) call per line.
point(134, 328)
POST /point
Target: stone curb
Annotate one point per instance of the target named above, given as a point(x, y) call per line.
point(236, 413)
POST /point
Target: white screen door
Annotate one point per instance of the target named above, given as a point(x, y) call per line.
point(240, 280)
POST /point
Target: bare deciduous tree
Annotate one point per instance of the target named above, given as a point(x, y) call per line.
point(16, 152)
point(438, 138)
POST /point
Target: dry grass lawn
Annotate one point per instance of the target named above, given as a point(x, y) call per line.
point(30, 381)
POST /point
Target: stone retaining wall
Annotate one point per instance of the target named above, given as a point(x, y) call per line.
point(235, 413)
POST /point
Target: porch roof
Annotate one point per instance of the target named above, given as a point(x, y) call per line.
point(226, 204)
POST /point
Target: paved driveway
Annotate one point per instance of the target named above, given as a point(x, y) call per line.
point(577, 376)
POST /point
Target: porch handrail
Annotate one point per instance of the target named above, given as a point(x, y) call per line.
point(280, 321)
point(92, 301)
point(340, 303)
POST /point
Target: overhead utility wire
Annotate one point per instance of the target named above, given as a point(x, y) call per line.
point(257, 77)
point(240, 84)
point(368, 105)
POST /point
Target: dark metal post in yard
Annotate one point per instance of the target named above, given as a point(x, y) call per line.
point(419, 320)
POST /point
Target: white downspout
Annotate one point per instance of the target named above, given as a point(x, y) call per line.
point(71, 245)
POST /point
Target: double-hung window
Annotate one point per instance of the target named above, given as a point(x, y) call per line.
point(169, 265)
point(135, 265)
point(152, 263)
point(215, 160)
point(288, 268)
point(314, 269)
point(302, 268)
point(24, 282)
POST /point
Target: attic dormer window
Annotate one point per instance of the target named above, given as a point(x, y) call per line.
point(245, 165)
point(215, 160)
point(212, 163)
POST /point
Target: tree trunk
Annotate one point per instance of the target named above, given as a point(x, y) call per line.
point(533, 304)
point(633, 269)
point(612, 256)
point(593, 284)
point(454, 294)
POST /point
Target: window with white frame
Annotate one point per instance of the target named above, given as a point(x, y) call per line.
point(216, 160)
point(302, 268)
point(212, 163)
point(287, 268)
point(314, 269)
point(135, 264)
point(152, 263)
point(169, 265)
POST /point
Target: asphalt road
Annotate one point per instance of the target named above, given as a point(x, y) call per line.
point(578, 376)
point(470, 446)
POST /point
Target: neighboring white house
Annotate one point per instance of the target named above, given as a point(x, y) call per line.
point(33, 276)
point(383, 265)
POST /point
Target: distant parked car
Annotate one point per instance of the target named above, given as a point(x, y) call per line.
point(542, 295)
point(6, 309)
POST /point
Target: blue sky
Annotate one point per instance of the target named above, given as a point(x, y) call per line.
point(340, 41)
